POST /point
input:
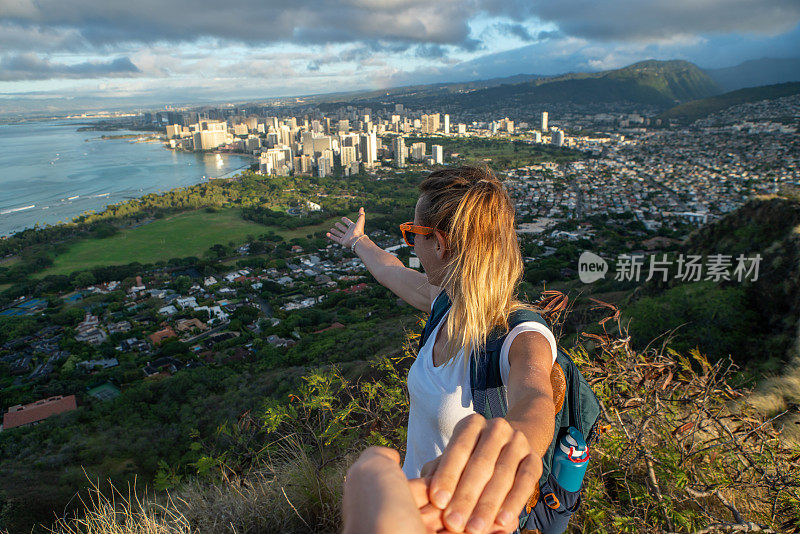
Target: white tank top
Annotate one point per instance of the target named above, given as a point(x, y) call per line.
point(441, 396)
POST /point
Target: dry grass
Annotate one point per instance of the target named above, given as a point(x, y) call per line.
point(683, 450)
point(292, 494)
point(779, 396)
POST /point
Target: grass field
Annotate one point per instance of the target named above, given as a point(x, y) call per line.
point(179, 236)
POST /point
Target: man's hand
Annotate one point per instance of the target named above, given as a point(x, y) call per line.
point(378, 498)
point(484, 476)
point(347, 231)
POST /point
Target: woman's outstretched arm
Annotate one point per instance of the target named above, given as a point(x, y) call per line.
point(410, 285)
point(490, 466)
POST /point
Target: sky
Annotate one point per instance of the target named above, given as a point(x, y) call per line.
point(61, 53)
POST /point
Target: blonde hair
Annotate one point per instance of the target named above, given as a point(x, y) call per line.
point(471, 206)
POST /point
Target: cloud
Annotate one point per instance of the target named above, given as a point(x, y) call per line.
point(430, 51)
point(655, 21)
point(251, 21)
point(517, 30)
point(30, 66)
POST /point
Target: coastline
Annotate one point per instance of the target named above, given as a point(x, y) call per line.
point(53, 175)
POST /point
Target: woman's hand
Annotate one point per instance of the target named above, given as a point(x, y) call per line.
point(485, 476)
point(346, 232)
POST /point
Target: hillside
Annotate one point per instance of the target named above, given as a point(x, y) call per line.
point(698, 109)
point(681, 450)
point(653, 83)
point(757, 72)
point(723, 316)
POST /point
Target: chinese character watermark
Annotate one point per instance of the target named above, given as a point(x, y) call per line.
point(684, 267)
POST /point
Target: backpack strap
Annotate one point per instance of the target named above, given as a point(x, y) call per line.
point(440, 306)
point(488, 392)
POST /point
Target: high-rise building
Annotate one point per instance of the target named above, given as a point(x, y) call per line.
point(343, 126)
point(418, 151)
point(537, 137)
point(210, 134)
point(305, 164)
point(399, 148)
point(252, 143)
point(325, 164)
point(558, 138)
point(462, 129)
point(369, 148)
point(446, 127)
point(285, 136)
point(437, 151)
point(543, 123)
point(348, 155)
point(423, 124)
point(174, 131)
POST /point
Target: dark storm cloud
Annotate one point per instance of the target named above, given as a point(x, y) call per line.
point(30, 66)
point(661, 20)
point(443, 22)
point(250, 21)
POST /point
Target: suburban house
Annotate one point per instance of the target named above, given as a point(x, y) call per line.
point(157, 337)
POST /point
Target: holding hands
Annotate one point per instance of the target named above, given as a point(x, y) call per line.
point(478, 485)
point(484, 477)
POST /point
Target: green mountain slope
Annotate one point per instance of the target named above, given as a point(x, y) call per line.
point(654, 83)
point(757, 72)
point(755, 321)
point(679, 80)
point(698, 109)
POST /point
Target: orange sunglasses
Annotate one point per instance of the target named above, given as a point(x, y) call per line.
point(409, 231)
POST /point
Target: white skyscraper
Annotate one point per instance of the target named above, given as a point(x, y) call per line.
point(446, 123)
point(438, 154)
point(543, 126)
point(399, 146)
point(369, 148)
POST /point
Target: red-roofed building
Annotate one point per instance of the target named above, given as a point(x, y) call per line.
point(356, 288)
point(161, 335)
point(40, 410)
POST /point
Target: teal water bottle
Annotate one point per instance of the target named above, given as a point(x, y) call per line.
point(570, 460)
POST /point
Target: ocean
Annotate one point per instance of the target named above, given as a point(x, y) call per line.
point(50, 172)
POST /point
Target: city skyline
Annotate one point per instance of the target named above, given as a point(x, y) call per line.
point(178, 53)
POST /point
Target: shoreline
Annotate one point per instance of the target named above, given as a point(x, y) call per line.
point(48, 206)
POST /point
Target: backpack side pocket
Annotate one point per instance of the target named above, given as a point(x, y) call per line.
point(553, 510)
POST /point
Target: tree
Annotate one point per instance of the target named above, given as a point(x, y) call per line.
point(84, 279)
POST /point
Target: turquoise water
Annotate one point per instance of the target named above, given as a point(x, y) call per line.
point(50, 172)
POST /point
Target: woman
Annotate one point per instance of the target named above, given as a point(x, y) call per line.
point(481, 472)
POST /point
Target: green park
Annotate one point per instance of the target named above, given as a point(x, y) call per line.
point(178, 236)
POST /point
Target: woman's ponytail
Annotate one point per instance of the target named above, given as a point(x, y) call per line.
point(471, 206)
